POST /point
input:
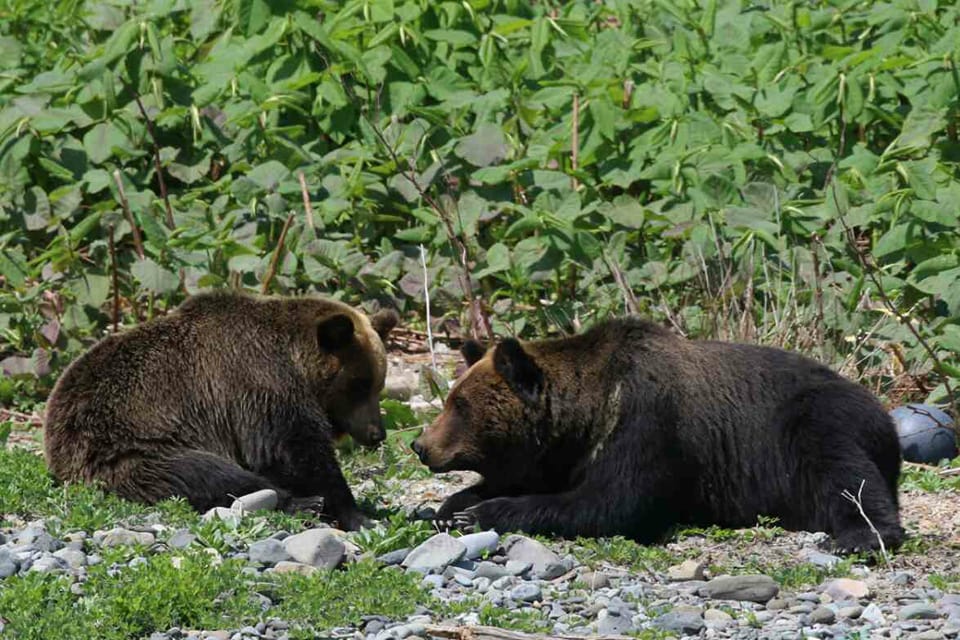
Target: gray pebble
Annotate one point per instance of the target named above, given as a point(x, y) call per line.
point(822, 615)
point(683, 622)
point(754, 588)
point(612, 623)
point(394, 557)
point(919, 611)
point(435, 555)
point(526, 592)
point(873, 615)
point(434, 581)
point(517, 567)
point(73, 557)
point(181, 539)
point(479, 544)
point(853, 612)
point(48, 564)
point(268, 551)
point(491, 571)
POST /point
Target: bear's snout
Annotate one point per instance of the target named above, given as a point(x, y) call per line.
point(419, 450)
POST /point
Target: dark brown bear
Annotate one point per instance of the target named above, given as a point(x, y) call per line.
point(227, 395)
point(628, 429)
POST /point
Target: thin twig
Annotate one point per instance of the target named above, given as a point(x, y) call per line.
point(137, 242)
point(858, 502)
point(156, 161)
point(116, 280)
point(272, 269)
point(426, 298)
point(818, 333)
point(865, 259)
point(478, 632)
point(478, 318)
point(575, 140)
point(629, 300)
point(306, 200)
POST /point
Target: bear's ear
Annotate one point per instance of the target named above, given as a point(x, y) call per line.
point(519, 370)
point(472, 352)
point(335, 332)
point(384, 321)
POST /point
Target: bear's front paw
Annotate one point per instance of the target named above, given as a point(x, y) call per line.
point(496, 513)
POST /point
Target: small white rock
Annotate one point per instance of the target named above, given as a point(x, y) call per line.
point(265, 499)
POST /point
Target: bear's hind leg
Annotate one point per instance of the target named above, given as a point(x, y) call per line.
point(204, 479)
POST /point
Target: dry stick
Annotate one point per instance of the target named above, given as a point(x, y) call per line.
point(268, 276)
point(137, 242)
point(575, 140)
point(426, 298)
point(858, 502)
point(306, 200)
point(116, 281)
point(156, 162)
point(629, 300)
point(493, 633)
point(862, 256)
point(818, 292)
point(478, 319)
point(892, 308)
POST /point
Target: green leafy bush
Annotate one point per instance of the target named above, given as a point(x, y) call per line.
point(710, 164)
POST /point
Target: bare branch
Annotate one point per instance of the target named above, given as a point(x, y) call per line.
point(575, 139)
point(478, 318)
point(307, 207)
point(116, 280)
point(858, 502)
point(156, 162)
point(426, 298)
point(137, 242)
point(271, 271)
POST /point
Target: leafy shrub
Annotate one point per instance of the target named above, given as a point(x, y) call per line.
point(710, 164)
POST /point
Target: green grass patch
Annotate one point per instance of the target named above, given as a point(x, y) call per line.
point(929, 479)
point(948, 582)
point(396, 531)
point(766, 529)
point(334, 599)
point(622, 552)
point(527, 621)
point(130, 602)
point(196, 592)
point(791, 576)
point(28, 490)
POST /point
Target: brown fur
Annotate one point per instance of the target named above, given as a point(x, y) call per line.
point(228, 394)
point(629, 430)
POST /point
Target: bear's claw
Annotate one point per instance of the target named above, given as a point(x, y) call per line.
point(466, 520)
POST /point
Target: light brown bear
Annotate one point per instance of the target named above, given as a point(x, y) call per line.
point(629, 430)
point(226, 395)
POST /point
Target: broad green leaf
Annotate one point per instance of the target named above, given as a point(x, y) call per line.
point(153, 277)
point(268, 175)
point(451, 36)
point(486, 146)
point(101, 140)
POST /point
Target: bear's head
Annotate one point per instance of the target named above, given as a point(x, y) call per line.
point(492, 417)
point(352, 397)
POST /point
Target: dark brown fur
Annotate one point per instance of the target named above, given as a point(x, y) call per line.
point(628, 430)
point(228, 394)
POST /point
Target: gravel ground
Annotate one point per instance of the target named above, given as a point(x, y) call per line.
point(519, 574)
point(574, 591)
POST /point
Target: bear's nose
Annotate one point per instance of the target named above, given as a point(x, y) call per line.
point(418, 449)
point(377, 435)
